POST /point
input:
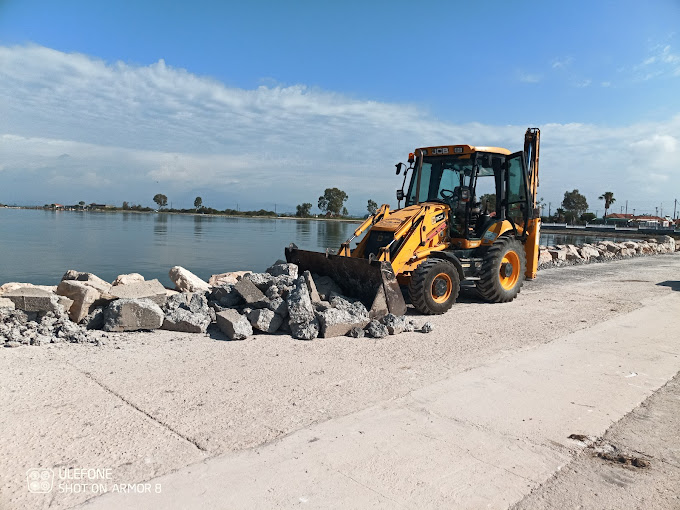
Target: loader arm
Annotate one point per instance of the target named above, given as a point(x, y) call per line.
point(531, 149)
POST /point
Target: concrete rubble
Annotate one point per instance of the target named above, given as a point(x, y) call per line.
point(233, 324)
point(127, 279)
point(187, 313)
point(239, 304)
point(151, 289)
point(562, 255)
point(133, 315)
point(186, 281)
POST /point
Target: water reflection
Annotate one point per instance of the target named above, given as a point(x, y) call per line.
point(303, 232)
point(198, 227)
point(332, 233)
point(160, 224)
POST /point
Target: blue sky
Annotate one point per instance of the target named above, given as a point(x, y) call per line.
point(260, 103)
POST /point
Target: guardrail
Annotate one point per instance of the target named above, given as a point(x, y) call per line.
point(600, 227)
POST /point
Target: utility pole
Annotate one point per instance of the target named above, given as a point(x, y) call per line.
point(626, 207)
point(550, 203)
point(657, 211)
point(661, 208)
point(621, 209)
point(675, 206)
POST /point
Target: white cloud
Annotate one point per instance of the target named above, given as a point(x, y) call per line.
point(561, 63)
point(76, 128)
point(662, 62)
point(529, 78)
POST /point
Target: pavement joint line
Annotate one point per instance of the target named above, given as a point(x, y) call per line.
point(549, 444)
point(139, 409)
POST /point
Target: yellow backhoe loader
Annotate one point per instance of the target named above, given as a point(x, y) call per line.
point(470, 216)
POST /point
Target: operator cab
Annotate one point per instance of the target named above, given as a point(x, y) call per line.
point(469, 180)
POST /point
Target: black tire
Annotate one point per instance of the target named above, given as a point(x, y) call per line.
point(434, 286)
point(501, 281)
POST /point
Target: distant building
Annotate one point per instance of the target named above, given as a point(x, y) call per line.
point(652, 221)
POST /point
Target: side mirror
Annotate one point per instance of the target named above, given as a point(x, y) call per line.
point(400, 195)
point(398, 165)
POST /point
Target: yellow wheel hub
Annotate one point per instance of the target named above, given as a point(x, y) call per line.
point(442, 286)
point(509, 270)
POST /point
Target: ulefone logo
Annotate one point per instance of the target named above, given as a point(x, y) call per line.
point(40, 480)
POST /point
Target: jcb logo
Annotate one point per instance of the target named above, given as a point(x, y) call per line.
point(440, 150)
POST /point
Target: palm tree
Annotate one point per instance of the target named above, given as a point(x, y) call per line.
point(609, 199)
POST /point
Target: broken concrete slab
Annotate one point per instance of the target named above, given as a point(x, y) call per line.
point(227, 278)
point(127, 279)
point(261, 280)
point(85, 298)
point(233, 324)
point(186, 281)
point(32, 299)
point(336, 322)
point(279, 306)
point(132, 315)
point(187, 313)
point(265, 320)
point(251, 294)
point(300, 308)
point(588, 252)
point(90, 279)
point(186, 322)
point(311, 287)
point(558, 255)
point(304, 330)
point(325, 285)
point(150, 289)
point(226, 296)
point(10, 286)
point(284, 269)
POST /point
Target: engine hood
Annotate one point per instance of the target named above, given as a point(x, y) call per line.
point(397, 218)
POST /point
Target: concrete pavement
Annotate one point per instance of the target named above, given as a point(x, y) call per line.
point(484, 437)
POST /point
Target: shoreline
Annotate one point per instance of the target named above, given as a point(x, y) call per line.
point(245, 216)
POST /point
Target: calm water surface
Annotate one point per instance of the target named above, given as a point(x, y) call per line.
point(38, 246)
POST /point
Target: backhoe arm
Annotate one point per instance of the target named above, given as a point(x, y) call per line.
point(384, 210)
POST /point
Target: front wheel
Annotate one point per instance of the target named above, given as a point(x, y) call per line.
point(502, 273)
point(434, 286)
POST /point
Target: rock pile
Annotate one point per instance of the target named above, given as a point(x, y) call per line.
point(240, 304)
point(561, 254)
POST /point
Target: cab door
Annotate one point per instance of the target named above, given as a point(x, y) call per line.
point(516, 191)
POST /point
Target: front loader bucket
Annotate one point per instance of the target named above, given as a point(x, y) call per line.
point(373, 283)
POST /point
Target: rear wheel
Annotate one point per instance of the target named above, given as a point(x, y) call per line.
point(502, 273)
point(434, 286)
